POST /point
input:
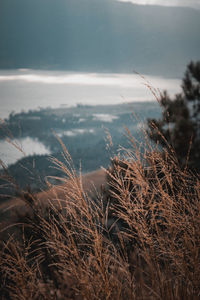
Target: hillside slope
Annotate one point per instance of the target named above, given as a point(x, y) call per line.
point(12, 210)
point(93, 35)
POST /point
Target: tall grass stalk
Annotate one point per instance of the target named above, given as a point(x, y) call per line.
point(139, 239)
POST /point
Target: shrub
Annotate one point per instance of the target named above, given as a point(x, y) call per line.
point(179, 128)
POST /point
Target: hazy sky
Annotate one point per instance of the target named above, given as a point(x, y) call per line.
point(189, 3)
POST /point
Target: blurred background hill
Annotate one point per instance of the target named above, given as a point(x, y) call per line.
point(98, 36)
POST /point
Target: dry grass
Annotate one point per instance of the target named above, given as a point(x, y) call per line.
point(139, 239)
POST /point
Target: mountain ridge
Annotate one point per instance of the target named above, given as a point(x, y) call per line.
point(101, 36)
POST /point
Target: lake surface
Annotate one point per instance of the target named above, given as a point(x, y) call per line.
point(31, 89)
point(22, 90)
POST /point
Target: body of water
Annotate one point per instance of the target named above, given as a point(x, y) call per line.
point(22, 90)
point(30, 89)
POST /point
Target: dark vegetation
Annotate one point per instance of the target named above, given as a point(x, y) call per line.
point(179, 128)
point(137, 239)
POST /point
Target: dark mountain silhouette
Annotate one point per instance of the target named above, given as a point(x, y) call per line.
point(97, 35)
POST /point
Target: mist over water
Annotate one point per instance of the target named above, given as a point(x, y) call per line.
point(13, 150)
point(22, 90)
point(30, 89)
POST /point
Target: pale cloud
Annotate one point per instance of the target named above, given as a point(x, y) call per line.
point(184, 3)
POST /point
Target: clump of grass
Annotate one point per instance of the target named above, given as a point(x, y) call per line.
point(139, 239)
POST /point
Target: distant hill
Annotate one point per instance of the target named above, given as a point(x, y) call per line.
point(83, 130)
point(97, 35)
